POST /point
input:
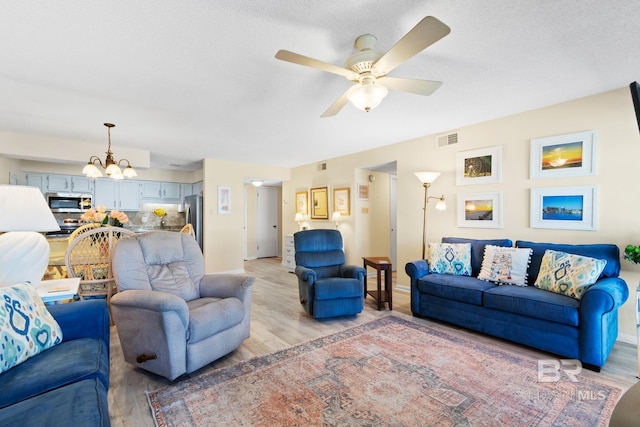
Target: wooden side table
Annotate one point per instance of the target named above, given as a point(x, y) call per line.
point(381, 264)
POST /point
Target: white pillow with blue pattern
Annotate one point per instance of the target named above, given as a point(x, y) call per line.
point(568, 274)
point(505, 266)
point(26, 326)
point(449, 258)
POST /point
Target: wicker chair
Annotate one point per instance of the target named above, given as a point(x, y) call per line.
point(88, 257)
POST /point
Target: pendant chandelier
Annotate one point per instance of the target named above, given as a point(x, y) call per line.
point(110, 166)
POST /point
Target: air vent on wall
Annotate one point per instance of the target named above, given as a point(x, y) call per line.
point(447, 139)
point(322, 166)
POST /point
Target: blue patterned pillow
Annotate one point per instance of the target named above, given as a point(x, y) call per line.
point(449, 258)
point(568, 274)
point(26, 326)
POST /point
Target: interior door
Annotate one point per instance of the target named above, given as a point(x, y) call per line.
point(267, 222)
point(393, 217)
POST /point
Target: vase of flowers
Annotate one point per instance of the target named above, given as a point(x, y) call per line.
point(99, 215)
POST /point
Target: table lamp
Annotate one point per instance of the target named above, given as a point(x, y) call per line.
point(24, 253)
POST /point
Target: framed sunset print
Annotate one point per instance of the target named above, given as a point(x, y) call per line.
point(480, 210)
point(563, 156)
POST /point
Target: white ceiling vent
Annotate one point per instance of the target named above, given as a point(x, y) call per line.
point(322, 166)
point(447, 139)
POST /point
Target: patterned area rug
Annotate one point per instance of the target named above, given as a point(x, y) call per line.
point(388, 372)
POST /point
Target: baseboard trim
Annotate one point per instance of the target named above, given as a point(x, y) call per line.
point(627, 338)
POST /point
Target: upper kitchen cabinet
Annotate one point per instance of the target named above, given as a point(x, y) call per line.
point(161, 192)
point(54, 183)
point(120, 195)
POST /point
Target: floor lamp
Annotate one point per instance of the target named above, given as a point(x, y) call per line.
point(24, 253)
point(427, 178)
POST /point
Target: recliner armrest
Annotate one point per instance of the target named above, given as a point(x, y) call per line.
point(306, 274)
point(152, 300)
point(353, 271)
point(226, 285)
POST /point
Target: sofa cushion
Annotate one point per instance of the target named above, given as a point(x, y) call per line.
point(534, 302)
point(449, 258)
point(82, 403)
point(568, 274)
point(66, 363)
point(228, 312)
point(607, 252)
point(477, 249)
point(460, 288)
point(26, 326)
point(505, 265)
point(338, 287)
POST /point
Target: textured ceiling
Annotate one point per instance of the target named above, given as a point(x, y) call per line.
point(194, 79)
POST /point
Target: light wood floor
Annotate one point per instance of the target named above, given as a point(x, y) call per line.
point(278, 321)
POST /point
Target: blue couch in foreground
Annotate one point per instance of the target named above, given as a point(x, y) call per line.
point(583, 329)
point(67, 384)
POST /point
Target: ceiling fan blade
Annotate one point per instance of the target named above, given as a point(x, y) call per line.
point(296, 58)
point(419, 87)
point(424, 34)
point(336, 106)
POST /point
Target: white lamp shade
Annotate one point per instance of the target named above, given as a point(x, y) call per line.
point(336, 216)
point(427, 177)
point(91, 171)
point(24, 254)
point(441, 205)
point(129, 172)
point(298, 217)
point(114, 171)
point(25, 209)
point(366, 97)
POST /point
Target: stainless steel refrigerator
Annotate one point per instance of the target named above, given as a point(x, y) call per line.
point(193, 215)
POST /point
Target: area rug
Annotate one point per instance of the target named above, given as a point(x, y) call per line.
point(387, 372)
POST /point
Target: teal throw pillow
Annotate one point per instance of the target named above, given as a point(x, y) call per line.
point(568, 274)
point(27, 327)
point(449, 258)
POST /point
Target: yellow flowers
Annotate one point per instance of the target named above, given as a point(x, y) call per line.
point(160, 212)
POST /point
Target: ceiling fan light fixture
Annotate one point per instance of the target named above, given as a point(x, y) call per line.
point(366, 96)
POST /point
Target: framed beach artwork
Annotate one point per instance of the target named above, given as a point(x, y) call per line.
point(224, 200)
point(480, 210)
point(341, 201)
point(319, 203)
point(302, 202)
point(563, 156)
point(567, 208)
point(481, 166)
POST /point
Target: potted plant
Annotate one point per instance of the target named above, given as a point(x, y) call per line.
point(632, 254)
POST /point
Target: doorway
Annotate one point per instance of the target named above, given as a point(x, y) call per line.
point(267, 231)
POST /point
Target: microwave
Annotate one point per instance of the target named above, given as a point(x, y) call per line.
point(69, 202)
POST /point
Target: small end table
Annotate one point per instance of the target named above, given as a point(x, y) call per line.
point(381, 264)
point(54, 291)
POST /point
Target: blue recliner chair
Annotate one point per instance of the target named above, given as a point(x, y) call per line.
point(328, 287)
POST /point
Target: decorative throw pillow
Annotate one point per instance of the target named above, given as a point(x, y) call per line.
point(568, 274)
point(26, 326)
point(505, 266)
point(449, 258)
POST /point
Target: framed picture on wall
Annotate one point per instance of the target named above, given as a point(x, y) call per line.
point(224, 200)
point(481, 166)
point(319, 203)
point(302, 202)
point(567, 208)
point(480, 210)
point(563, 156)
point(341, 201)
point(363, 192)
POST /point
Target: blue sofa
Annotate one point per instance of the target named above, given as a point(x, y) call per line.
point(584, 329)
point(67, 384)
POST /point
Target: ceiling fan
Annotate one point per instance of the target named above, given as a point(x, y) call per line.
point(369, 69)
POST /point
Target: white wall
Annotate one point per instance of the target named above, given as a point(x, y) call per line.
point(618, 150)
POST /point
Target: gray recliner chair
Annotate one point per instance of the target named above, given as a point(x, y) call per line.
point(172, 318)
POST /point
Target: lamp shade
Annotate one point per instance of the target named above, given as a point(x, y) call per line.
point(25, 209)
point(299, 217)
point(24, 254)
point(427, 177)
